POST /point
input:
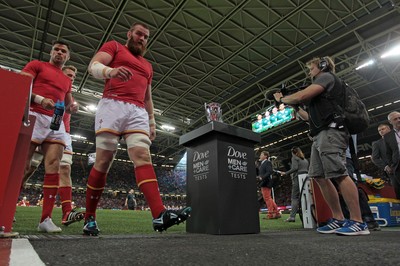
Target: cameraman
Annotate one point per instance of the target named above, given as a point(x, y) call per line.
point(330, 140)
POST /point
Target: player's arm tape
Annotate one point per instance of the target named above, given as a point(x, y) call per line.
point(38, 99)
point(100, 71)
point(152, 121)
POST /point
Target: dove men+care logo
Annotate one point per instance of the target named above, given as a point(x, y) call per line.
point(201, 165)
point(237, 162)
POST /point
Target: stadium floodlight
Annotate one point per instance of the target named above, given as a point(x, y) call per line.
point(392, 52)
point(76, 136)
point(168, 127)
point(370, 62)
point(91, 108)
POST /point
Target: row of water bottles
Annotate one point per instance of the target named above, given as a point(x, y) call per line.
point(57, 118)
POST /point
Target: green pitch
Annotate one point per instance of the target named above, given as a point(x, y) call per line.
point(120, 222)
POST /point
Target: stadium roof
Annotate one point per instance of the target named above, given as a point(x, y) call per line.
point(228, 51)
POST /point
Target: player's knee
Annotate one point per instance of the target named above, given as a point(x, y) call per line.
point(52, 159)
point(141, 157)
point(107, 141)
point(65, 181)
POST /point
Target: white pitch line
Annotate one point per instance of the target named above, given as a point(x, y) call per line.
point(22, 253)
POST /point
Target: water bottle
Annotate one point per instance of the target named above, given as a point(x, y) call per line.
point(57, 116)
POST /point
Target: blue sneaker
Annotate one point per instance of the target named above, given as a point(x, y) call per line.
point(353, 228)
point(331, 226)
point(90, 228)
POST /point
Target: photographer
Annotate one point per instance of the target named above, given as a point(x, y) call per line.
point(299, 166)
point(330, 140)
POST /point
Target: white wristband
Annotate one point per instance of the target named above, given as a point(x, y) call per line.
point(38, 99)
point(152, 121)
point(100, 71)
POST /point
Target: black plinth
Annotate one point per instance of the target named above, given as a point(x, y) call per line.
point(221, 185)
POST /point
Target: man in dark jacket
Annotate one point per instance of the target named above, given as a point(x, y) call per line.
point(392, 140)
point(265, 176)
point(379, 157)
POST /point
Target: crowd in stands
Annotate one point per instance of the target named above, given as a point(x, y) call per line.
point(171, 182)
point(120, 180)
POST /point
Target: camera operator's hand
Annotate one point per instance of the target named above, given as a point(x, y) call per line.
point(278, 95)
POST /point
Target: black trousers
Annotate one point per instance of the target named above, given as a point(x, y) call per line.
point(366, 212)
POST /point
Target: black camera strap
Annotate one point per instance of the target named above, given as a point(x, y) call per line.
point(354, 158)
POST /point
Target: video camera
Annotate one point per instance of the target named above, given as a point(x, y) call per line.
point(285, 92)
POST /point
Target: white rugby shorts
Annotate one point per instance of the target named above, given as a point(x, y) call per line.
point(43, 133)
point(120, 118)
